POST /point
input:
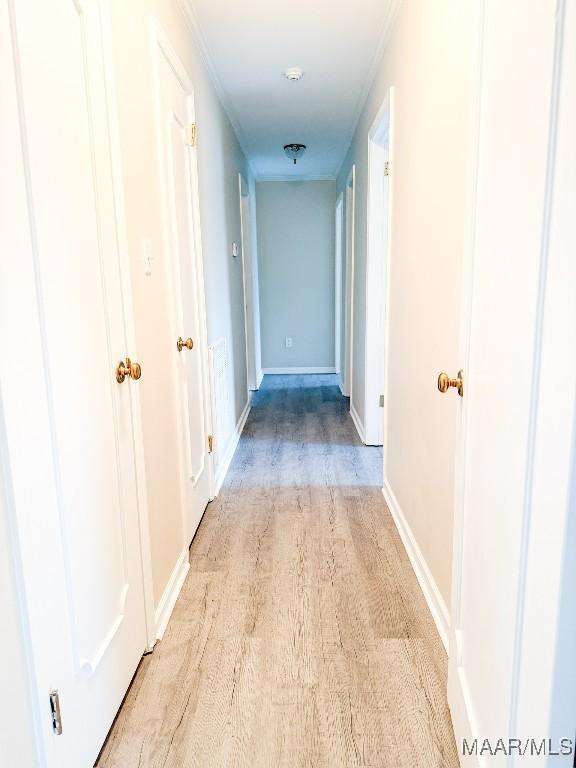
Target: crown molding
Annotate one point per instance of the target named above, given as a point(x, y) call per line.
point(187, 8)
point(371, 75)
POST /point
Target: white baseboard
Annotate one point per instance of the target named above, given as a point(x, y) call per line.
point(259, 377)
point(357, 423)
point(311, 369)
point(436, 604)
point(341, 385)
point(228, 454)
point(170, 595)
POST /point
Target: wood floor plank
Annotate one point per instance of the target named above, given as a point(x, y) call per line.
point(301, 637)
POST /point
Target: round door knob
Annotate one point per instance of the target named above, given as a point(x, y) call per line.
point(445, 382)
point(128, 368)
point(180, 344)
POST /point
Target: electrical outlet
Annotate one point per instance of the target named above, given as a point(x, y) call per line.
point(288, 342)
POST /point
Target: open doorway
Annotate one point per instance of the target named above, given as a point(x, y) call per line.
point(379, 218)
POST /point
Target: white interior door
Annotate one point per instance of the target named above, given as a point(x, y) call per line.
point(69, 435)
point(502, 533)
point(183, 244)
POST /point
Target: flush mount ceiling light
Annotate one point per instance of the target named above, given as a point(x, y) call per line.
point(293, 73)
point(294, 151)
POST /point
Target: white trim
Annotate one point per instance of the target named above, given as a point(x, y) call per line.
point(229, 451)
point(341, 385)
point(285, 177)
point(259, 377)
point(378, 240)
point(304, 369)
point(170, 595)
point(436, 604)
point(357, 423)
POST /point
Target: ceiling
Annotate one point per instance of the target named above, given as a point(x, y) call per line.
point(248, 46)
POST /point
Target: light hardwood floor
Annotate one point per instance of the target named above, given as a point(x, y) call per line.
point(301, 637)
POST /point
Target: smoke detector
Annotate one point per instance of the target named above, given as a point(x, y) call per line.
point(293, 73)
point(294, 151)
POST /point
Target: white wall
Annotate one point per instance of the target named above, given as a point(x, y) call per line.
point(220, 159)
point(295, 223)
point(428, 60)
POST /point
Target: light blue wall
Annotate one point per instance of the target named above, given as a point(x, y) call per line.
point(295, 222)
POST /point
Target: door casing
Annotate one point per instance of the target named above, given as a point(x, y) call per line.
point(379, 226)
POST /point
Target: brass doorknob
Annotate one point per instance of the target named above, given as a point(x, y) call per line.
point(128, 368)
point(445, 382)
point(181, 343)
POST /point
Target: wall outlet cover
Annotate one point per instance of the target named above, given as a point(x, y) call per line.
point(288, 342)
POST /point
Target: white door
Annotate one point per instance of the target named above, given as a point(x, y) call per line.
point(515, 443)
point(250, 284)
point(69, 437)
point(183, 246)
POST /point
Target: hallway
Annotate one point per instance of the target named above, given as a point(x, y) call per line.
point(301, 636)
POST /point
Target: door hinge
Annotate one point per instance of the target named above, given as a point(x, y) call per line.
point(210, 443)
point(192, 135)
point(381, 401)
point(386, 168)
point(55, 710)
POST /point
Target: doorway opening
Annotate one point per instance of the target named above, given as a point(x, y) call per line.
point(379, 221)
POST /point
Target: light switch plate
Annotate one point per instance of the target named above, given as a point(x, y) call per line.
point(234, 250)
point(288, 342)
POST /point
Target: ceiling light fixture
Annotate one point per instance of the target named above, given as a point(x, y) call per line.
point(293, 73)
point(294, 151)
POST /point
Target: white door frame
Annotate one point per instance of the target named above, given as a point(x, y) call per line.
point(543, 687)
point(161, 46)
point(379, 223)
point(250, 286)
point(349, 229)
point(338, 252)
